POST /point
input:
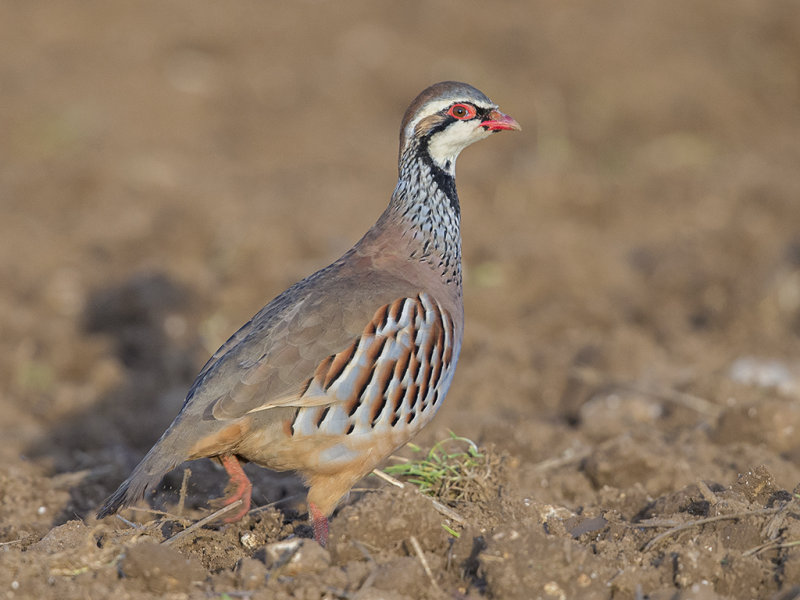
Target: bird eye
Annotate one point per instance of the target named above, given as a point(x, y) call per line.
point(461, 111)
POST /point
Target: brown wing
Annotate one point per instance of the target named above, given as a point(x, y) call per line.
point(270, 361)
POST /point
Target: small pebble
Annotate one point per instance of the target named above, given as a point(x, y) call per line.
point(249, 540)
point(297, 556)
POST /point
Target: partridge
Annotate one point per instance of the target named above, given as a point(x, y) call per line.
point(344, 367)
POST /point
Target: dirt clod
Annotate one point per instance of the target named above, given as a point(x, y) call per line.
point(161, 569)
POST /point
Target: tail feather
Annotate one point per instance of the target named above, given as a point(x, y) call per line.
point(147, 474)
point(131, 490)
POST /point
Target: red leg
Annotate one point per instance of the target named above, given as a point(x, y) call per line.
point(320, 524)
point(239, 488)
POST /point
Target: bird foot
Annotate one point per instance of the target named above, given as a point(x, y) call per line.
point(319, 522)
point(238, 488)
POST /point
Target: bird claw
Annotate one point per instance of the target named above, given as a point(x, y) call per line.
point(238, 488)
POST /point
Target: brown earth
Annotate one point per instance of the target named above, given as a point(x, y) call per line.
point(632, 352)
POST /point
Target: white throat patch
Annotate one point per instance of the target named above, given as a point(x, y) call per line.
point(445, 146)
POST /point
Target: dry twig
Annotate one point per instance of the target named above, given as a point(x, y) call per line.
point(202, 522)
point(696, 403)
point(569, 456)
point(690, 524)
point(184, 484)
point(159, 513)
point(424, 561)
point(263, 507)
point(443, 509)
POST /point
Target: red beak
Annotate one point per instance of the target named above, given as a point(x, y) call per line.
point(497, 121)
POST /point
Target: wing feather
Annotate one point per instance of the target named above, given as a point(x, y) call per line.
point(272, 360)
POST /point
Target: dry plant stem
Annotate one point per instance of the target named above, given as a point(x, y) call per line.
point(569, 456)
point(424, 561)
point(373, 566)
point(159, 513)
point(771, 545)
point(202, 522)
point(184, 484)
point(773, 527)
point(706, 492)
point(696, 403)
point(130, 524)
point(389, 479)
point(263, 507)
point(762, 547)
point(654, 523)
point(445, 510)
point(690, 524)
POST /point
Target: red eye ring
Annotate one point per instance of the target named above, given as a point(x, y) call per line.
point(462, 112)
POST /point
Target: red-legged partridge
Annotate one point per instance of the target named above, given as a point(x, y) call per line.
point(347, 365)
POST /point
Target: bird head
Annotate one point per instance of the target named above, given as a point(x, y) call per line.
point(446, 118)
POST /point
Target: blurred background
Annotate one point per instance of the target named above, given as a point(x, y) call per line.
point(167, 168)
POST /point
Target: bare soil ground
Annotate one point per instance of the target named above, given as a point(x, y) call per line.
point(631, 368)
